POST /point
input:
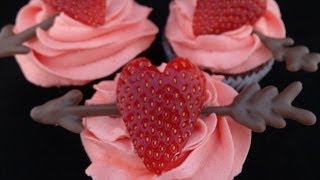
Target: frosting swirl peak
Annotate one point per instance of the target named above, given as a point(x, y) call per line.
point(72, 53)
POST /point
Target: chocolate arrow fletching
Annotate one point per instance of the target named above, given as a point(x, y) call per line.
point(296, 57)
point(258, 108)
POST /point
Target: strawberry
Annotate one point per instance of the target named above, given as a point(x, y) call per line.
point(219, 16)
point(89, 12)
point(160, 109)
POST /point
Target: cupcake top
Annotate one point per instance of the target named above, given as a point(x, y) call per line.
point(170, 122)
point(233, 51)
point(216, 149)
point(74, 52)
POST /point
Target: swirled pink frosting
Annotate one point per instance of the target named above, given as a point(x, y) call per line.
point(232, 52)
point(216, 150)
point(72, 53)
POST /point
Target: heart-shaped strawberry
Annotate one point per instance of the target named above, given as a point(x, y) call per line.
point(218, 16)
point(90, 12)
point(160, 108)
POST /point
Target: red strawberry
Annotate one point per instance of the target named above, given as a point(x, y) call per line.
point(90, 12)
point(160, 109)
point(218, 16)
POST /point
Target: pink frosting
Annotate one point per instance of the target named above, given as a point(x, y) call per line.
point(72, 53)
point(232, 52)
point(217, 148)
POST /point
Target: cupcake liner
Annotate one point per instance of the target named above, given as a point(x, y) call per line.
point(237, 81)
point(170, 54)
point(241, 80)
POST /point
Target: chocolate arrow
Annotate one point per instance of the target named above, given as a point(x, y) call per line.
point(295, 57)
point(253, 107)
point(256, 108)
point(65, 112)
point(11, 44)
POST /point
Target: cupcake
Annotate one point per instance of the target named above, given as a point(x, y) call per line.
point(219, 36)
point(216, 149)
point(170, 122)
point(78, 48)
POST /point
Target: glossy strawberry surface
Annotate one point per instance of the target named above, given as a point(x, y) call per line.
point(160, 109)
point(219, 16)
